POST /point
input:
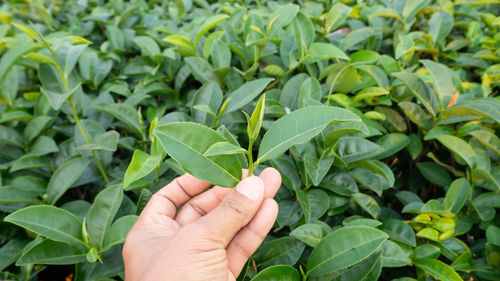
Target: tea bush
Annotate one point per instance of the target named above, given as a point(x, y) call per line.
point(386, 136)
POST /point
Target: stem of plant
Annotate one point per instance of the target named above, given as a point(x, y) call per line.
point(251, 166)
point(75, 116)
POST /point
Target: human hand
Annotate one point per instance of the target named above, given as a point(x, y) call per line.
point(210, 238)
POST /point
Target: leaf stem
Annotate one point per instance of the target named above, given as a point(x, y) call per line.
point(75, 115)
point(85, 137)
point(251, 165)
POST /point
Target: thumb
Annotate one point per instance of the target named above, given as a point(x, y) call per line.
point(234, 212)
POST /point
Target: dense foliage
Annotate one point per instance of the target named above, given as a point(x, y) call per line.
point(387, 134)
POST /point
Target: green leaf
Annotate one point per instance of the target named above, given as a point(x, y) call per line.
point(457, 195)
point(493, 235)
point(57, 99)
point(12, 56)
point(50, 222)
point(395, 255)
point(309, 91)
point(148, 46)
point(304, 33)
point(115, 37)
point(255, 121)
point(337, 16)
point(123, 112)
point(280, 251)
point(309, 233)
point(64, 177)
point(11, 194)
point(246, 93)
point(440, 25)
point(106, 141)
point(357, 36)
point(298, 127)
point(367, 94)
point(441, 79)
point(118, 231)
point(187, 143)
point(142, 164)
point(391, 144)
point(10, 252)
point(459, 147)
point(208, 24)
point(326, 51)
point(429, 233)
point(434, 173)
point(28, 162)
point(280, 17)
point(487, 139)
point(416, 114)
point(352, 149)
point(438, 269)
point(344, 247)
point(399, 231)
point(35, 127)
point(317, 168)
point(278, 273)
point(368, 204)
point(101, 213)
point(51, 252)
point(223, 148)
point(186, 47)
point(420, 90)
point(209, 95)
point(221, 55)
point(415, 146)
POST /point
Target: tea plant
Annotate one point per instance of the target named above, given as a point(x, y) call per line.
point(382, 117)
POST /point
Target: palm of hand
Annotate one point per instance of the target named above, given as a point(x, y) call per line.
point(210, 238)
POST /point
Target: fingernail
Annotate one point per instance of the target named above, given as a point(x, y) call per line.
point(251, 187)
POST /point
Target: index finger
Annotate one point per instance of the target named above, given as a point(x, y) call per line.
point(167, 200)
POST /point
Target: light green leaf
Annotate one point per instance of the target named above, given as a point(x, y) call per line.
point(440, 25)
point(420, 90)
point(12, 56)
point(187, 142)
point(459, 147)
point(223, 148)
point(208, 24)
point(438, 270)
point(441, 79)
point(488, 139)
point(337, 16)
point(142, 164)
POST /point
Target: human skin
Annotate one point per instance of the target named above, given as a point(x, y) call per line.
point(211, 237)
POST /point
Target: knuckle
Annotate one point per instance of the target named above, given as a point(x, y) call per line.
point(236, 208)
